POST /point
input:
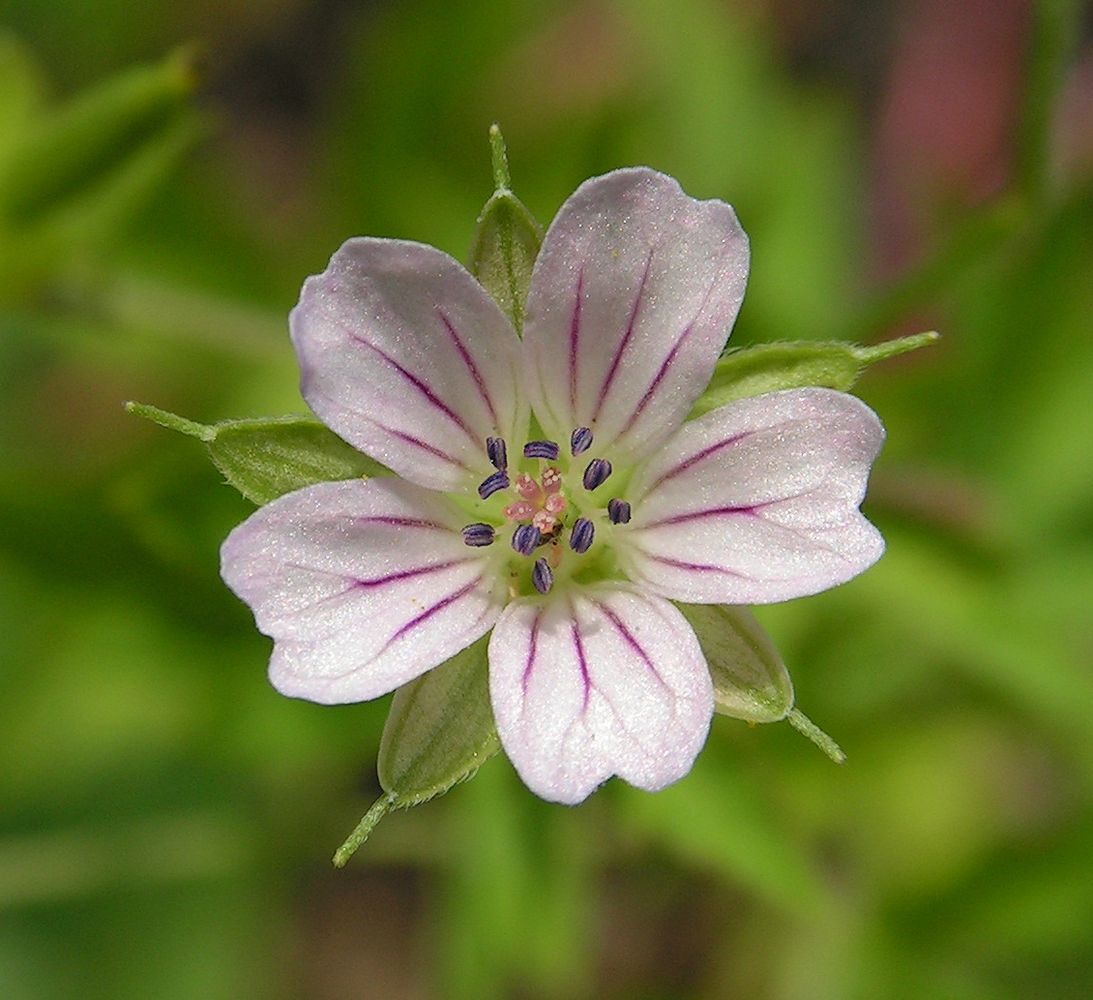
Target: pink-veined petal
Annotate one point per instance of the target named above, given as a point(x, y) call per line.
point(362, 586)
point(632, 298)
point(757, 501)
point(404, 355)
point(597, 681)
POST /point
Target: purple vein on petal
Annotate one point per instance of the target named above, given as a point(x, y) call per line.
point(471, 366)
point(697, 515)
point(430, 611)
point(698, 567)
point(418, 383)
point(582, 663)
point(575, 342)
point(533, 648)
point(665, 366)
point(400, 522)
point(612, 371)
point(405, 574)
point(632, 642)
point(699, 456)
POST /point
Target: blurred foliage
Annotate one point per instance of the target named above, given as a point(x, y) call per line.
point(167, 818)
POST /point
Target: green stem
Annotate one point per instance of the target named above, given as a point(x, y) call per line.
point(501, 180)
point(806, 727)
point(380, 808)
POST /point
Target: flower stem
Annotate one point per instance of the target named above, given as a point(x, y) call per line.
point(380, 808)
point(806, 727)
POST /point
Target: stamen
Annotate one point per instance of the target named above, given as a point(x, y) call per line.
point(498, 454)
point(580, 538)
point(525, 538)
point(580, 440)
point(619, 511)
point(477, 535)
point(542, 576)
point(541, 449)
point(596, 473)
point(491, 484)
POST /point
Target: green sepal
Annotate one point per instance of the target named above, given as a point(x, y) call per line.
point(751, 371)
point(266, 457)
point(750, 680)
point(440, 730)
point(506, 241)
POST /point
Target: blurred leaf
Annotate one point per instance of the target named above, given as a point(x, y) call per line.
point(750, 371)
point(506, 241)
point(266, 457)
point(439, 732)
point(93, 135)
point(21, 92)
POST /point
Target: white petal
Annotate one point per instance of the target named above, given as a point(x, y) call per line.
point(632, 298)
point(405, 356)
point(362, 586)
point(757, 501)
point(594, 682)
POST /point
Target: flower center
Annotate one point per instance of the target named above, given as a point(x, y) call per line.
point(538, 507)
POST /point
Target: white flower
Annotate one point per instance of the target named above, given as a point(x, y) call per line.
point(572, 556)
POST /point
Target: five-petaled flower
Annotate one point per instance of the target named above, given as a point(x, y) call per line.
point(548, 488)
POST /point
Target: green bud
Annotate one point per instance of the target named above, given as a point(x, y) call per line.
point(72, 149)
point(751, 371)
point(750, 681)
point(267, 457)
point(439, 732)
point(506, 241)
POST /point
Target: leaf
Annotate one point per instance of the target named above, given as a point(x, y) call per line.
point(439, 732)
point(751, 371)
point(750, 681)
point(266, 457)
point(506, 241)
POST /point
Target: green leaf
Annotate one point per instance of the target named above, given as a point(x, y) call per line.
point(751, 371)
point(82, 143)
point(439, 732)
point(750, 681)
point(506, 241)
point(267, 457)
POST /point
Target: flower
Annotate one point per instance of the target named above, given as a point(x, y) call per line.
point(548, 488)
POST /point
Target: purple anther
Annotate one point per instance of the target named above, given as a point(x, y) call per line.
point(580, 538)
point(619, 511)
point(478, 534)
point(580, 440)
point(491, 484)
point(525, 538)
point(597, 472)
point(541, 449)
point(542, 576)
point(495, 449)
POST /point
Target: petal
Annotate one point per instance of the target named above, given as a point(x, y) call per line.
point(631, 301)
point(405, 356)
point(757, 501)
point(598, 681)
point(363, 586)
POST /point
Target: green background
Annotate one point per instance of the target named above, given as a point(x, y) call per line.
point(166, 819)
